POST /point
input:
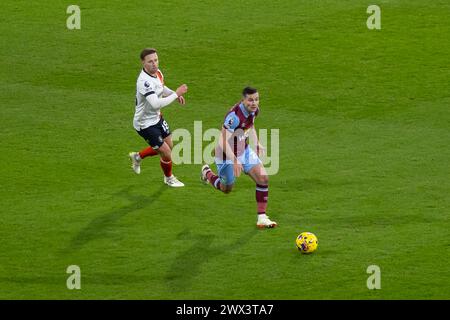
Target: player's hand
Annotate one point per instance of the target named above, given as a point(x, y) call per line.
point(181, 100)
point(260, 150)
point(181, 90)
point(237, 169)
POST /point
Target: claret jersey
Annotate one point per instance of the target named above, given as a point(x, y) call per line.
point(239, 122)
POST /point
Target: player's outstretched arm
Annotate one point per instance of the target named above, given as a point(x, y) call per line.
point(158, 103)
point(167, 92)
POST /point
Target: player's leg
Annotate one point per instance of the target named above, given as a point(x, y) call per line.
point(223, 181)
point(169, 141)
point(166, 165)
point(255, 169)
point(165, 152)
point(136, 157)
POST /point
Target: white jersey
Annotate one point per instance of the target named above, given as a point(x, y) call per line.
point(150, 91)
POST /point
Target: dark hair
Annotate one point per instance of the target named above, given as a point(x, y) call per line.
point(146, 52)
point(248, 90)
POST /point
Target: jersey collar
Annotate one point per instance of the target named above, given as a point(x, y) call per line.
point(148, 73)
point(244, 111)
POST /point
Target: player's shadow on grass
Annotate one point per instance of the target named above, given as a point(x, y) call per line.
point(188, 263)
point(103, 226)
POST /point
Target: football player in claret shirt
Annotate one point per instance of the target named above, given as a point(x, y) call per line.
point(151, 96)
point(234, 155)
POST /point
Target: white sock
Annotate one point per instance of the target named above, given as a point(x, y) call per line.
point(262, 216)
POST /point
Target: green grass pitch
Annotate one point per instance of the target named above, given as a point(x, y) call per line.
point(364, 120)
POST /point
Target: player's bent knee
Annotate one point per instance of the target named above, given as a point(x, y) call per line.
point(166, 156)
point(263, 180)
point(165, 152)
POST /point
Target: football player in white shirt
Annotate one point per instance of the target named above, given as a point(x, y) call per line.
point(151, 96)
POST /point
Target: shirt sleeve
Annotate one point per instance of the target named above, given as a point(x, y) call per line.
point(167, 91)
point(146, 88)
point(158, 103)
point(231, 122)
